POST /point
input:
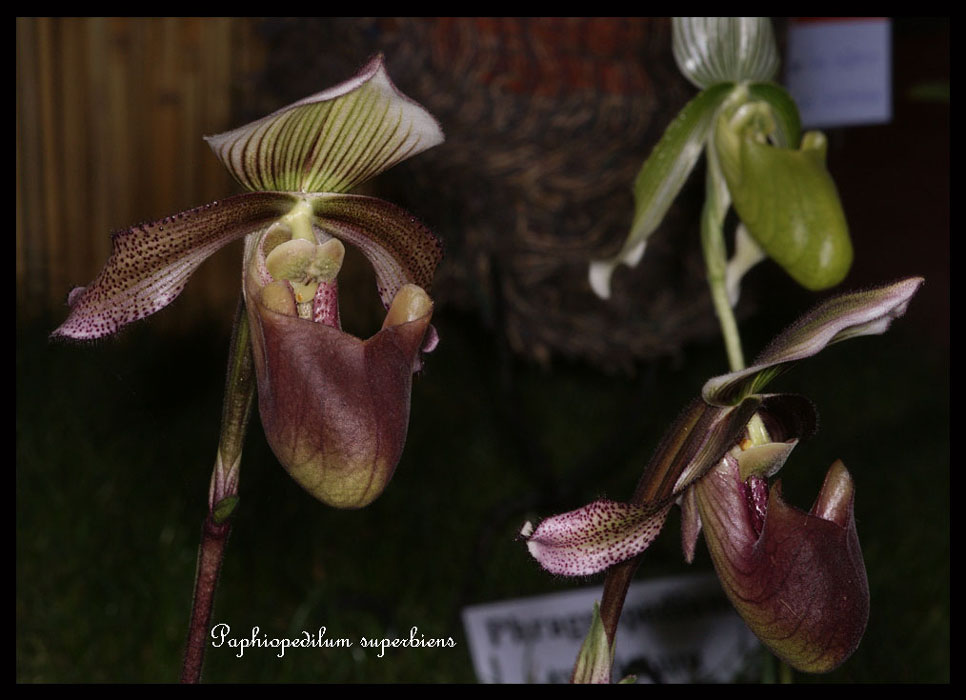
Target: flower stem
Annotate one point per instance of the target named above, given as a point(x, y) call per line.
point(223, 491)
point(214, 536)
point(716, 203)
point(235, 412)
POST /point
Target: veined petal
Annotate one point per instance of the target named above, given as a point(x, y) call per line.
point(690, 524)
point(799, 582)
point(604, 533)
point(150, 263)
point(401, 249)
point(660, 180)
point(710, 50)
point(335, 408)
point(846, 316)
point(707, 444)
point(331, 141)
point(595, 537)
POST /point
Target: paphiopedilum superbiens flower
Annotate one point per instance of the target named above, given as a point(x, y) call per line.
point(335, 408)
point(797, 578)
point(758, 161)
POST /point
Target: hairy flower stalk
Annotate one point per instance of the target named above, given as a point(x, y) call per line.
point(797, 578)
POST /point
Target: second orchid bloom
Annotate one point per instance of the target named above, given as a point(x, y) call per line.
point(797, 578)
point(335, 408)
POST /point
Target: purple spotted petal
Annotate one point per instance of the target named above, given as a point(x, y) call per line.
point(604, 533)
point(331, 141)
point(150, 263)
point(399, 247)
point(595, 537)
point(846, 316)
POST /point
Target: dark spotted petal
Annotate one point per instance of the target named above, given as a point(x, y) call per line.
point(595, 537)
point(799, 580)
point(603, 533)
point(151, 263)
point(399, 247)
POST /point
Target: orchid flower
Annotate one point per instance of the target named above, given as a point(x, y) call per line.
point(798, 579)
point(757, 161)
point(335, 408)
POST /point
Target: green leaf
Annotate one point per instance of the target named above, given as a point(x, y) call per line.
point(596, 655)
point(712, 50)
point(331, 141)
point(661, 178)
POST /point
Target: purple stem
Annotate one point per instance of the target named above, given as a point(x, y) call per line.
point(214, 536)
point(223, 492)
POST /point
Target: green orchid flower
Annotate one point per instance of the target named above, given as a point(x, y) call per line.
point(335, 408)
point(797, 578)
point(757, 161)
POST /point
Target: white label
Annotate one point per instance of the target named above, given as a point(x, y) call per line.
point(840, 71)
point(672, 630)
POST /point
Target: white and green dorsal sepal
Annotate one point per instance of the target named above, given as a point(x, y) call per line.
point(712, 50)
point(331, 141)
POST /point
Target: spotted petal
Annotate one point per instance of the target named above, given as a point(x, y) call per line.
point(399, 247)
point(603, 533)
point(869, 312)
point(595, 537)
point(150, 263)
point(331, 141)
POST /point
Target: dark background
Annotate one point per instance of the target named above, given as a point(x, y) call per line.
point(115, 439)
